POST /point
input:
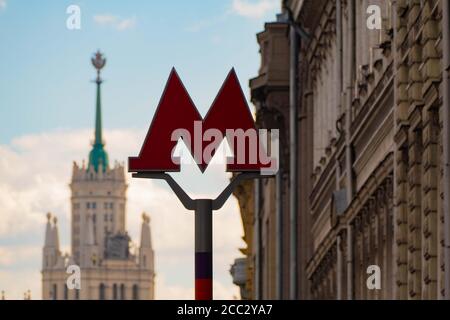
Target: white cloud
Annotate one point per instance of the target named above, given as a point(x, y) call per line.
point(18, 281)
point(126, 24)
point(34, 174)
point(172, 292)
point(177, 292)
point(255, 9)
point(252, 9)
point(211, 21)
point(2, 4)
point(11, 255)
point(103, 19)
point(115, 22)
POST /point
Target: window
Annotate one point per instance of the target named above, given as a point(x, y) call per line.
point(94, 218)
point(101, 294)
point(115, 291)
point(88, 205)
point(111, 205)
point(94, 205)
point(66, 293)
point(105, 205)
point(135, 292)
point(122, 292)
point(55, 292)
point(106, 217)
point(112, 217)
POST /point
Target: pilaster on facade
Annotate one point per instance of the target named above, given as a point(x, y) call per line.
point(431, 73)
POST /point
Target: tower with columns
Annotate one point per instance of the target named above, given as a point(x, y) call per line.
point(100, 244)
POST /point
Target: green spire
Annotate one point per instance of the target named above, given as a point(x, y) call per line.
point(98, 117)
point(98, 155)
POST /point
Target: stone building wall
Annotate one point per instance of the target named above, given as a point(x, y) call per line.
point(370, 150)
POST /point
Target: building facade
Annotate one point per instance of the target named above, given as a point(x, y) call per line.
point(363, 115)
point(100, 244)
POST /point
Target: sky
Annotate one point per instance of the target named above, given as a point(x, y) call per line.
point(47, 109)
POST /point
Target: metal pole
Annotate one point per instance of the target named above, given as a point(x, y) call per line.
point(339, 47)
point(348, 112)
point(203, 249)
point(395, 251)
point(293, 187)
point(203, 225)
point(446, 139)
point(349, 262)
point(257, 235)
point(348, 149)
point(339, 268)
point(279, 235)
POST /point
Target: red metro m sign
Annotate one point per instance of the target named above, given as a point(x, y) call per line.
point(229, 119)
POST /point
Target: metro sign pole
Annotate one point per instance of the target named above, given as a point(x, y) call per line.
point(228, 118)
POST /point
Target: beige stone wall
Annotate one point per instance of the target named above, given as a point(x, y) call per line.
point(121, 273)
point(393, 218)
point(103, 195)
point(270, 97)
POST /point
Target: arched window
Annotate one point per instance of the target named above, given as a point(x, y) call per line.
point(115, 291)
point(135, 292)
point(122, 292)
point(66, 292)
point(101, 294)
point(55, 292)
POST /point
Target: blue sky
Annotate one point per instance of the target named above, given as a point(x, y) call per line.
point(45, 71)
point(47, 103)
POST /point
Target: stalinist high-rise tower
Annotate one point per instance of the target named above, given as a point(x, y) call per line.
point(100, 244)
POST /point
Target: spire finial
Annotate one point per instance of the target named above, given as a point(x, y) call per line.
point(145, 217)
point(98, 61)
point(98, 154)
